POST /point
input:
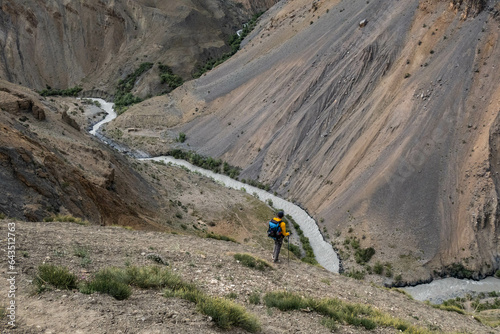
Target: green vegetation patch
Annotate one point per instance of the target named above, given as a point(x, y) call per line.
point(116, 282)
point(49, 91)
point(66, 218)
point(167, 76)
point(252, 262)
point(225, 313)
point(215, 165)
point(306, 245)
point(123, 95)
point(55, 276)
point(459, 271)
point(338, 312)
point(364, 255)
point(220, 237)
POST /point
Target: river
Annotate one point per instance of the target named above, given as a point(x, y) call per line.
point(436, 292)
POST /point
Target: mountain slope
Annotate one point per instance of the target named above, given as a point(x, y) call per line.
point(51, 166)
point(95, 43)
point(387, 130)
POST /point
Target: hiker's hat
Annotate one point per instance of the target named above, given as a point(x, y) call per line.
point(280, 214)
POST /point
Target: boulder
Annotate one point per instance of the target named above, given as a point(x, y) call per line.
point(70, 121)
point(39, 113)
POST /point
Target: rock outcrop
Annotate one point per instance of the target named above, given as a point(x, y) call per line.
point(17, 104)
point(46, 170)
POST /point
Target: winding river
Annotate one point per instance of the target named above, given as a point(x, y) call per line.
point(437, 291)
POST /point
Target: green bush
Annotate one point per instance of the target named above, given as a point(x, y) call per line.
point(215, 165)
point(252, 262)
point(295, 250)
point(220, 237)
point(227, 314)
point(61, 92)
point(378, 268)
point(285, 301)
point(254, 298)
point(337, 312)
point(356, 274)
point(167, 76)
point(181, 138)
point(117, 281)
point(58, 277)
point(459, 271)
point(111, 281)
point(123, 95)
point(364, 255)
point(224, 313)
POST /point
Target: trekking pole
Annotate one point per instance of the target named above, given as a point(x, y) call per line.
point(289, 250)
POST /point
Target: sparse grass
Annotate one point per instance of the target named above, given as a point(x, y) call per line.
point(356, 274)
point(56, 276)
point(378, 268)
point(110, 281)
point(80, 251)
point(225, 313)
point(339, 312)
point(117, 281)
point(2, 216)
point(252, 262)
point(66, 218)
point(220, 237)
point(403, 292)
point(232, 295)
point(450, 308)
point(254, 298)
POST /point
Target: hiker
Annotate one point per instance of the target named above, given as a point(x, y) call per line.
point(281, 234)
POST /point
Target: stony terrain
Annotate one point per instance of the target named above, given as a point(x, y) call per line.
point(389, 130)
point(206, 262)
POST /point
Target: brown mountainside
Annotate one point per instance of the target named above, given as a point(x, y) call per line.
point(388, 130)
point(94, 43)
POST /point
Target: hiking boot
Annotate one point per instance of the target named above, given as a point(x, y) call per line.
point(276, 261)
